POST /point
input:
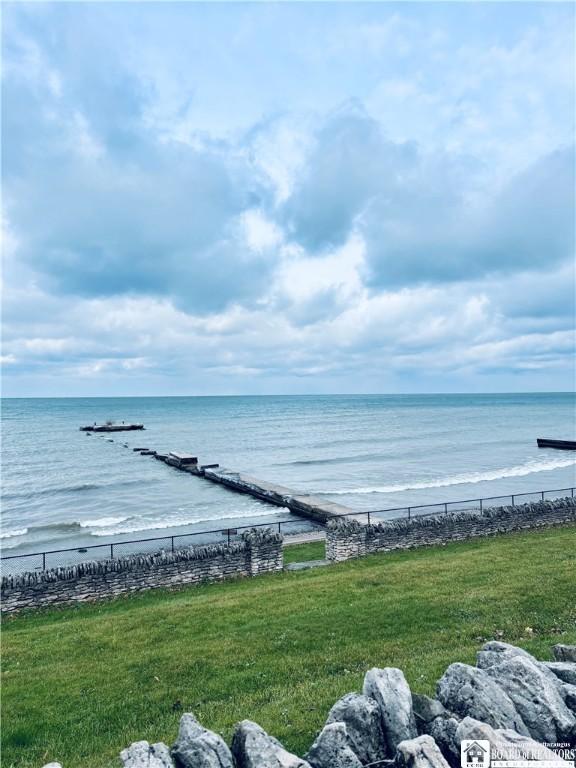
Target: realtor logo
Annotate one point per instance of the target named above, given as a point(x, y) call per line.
point(475, 754)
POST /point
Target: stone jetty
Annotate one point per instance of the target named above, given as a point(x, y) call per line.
point(313, 507)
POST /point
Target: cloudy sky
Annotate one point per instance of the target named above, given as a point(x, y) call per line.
point(287, 198)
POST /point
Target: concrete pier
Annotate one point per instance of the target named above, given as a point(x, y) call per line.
point(304, 505)
point(312, 507)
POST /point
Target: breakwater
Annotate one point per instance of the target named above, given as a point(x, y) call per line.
point(305, 505)
point(346, 538)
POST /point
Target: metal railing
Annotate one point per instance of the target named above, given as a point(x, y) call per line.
point(55, 557)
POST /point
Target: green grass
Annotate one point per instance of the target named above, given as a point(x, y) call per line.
point(300, 553)
point(80, 684)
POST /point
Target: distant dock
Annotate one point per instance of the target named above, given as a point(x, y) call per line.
point(111, 427)
point(562, 445)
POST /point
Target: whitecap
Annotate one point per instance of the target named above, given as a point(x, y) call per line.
point(136, 525)
point(520, 470)
point(102, 522)
point(13, 533)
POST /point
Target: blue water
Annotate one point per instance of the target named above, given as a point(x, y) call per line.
point(62, 488)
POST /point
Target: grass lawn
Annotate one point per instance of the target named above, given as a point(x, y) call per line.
point(299, 553)
point(81, 684)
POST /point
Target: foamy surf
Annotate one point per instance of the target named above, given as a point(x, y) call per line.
point(102, 522)
point(12, 534)
point(467, 478)
point(133, 525)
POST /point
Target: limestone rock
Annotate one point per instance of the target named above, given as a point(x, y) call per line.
point(502, 738)
point(388, 687)
point(569, 696)
point(469, 691)
point(331, 749)
point(197, 747)
point(421, 752)
point(141, 754)
point(361, 715)
point(443, 731)
point(426, 709)
point(537, 699)
point(252, 747)
point(564, 670)
point(564, 652)
point(495, 652)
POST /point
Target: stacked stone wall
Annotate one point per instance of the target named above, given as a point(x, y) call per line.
point(347, 538)
point(259, 551)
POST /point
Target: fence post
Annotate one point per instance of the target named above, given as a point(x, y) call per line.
point(480, 500)
point(409, 511)
point(445, 508)
point(513, 500)
point(368, 518)
point(43, 561)
point(542, 495)
point(280, 527)
point(228, 535)
point(111, 550)
point(172, 537)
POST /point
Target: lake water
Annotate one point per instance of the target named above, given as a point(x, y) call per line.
point(62, 488)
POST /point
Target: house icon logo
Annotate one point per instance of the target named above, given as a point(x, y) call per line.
point(475, 754)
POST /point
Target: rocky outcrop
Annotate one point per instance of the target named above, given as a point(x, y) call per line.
point(361, 715)
point(389, 689)
point(331, 749)
point(141, 754)
point(421, 752)
point(511, 699)
point(536, 697)
point(495, 652)
point(252, 747)
point(443, 731)
point(564, 670)
point(569, 695)
point(564, 652)
point(468, 690)
point(197, 747)
point(427, 709)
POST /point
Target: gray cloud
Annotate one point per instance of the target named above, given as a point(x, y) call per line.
point(104, 207)
point(438, 237)
point(351, 163)
point(426, 217)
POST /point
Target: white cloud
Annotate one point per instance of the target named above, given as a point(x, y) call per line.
point(405, 212)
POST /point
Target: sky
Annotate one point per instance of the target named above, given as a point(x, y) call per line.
point(287, 198)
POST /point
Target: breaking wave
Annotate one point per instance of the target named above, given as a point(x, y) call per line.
point(15, 532)
point(134, 524)
point(520, 470)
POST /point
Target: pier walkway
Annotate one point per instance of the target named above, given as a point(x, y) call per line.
point(312, 507)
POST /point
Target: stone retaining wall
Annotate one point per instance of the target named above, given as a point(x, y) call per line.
point(259, 551)
point(346, 538)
